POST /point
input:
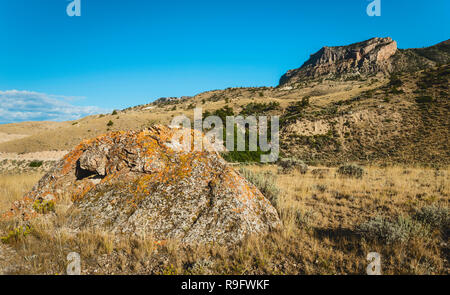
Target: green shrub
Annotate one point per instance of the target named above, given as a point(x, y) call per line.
point(170, 271)
point(305, 101)
point(294, 111)
point(265, 182)
point(351, 170)
point(395, 81)
point(254, 108)
point(395, 90)
point(114, 113)
point(16, 234)
point(35, 164)
point(110, 123)
point(234, 155)
point(287, 165)
point(243, 157)
point(398, 231)
point(222, 113)
point(43, 207)
point(435, 216)
point(304, 218)
point(424, 99)
point(321, 188)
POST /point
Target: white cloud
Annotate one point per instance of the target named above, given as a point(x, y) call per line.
point(19, 106)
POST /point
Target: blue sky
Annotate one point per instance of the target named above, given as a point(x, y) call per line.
point(124, 53)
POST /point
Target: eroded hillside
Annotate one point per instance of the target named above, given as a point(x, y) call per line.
point(386, 116)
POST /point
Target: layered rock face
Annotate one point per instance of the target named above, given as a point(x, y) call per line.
point(138, 183)
point(362, 58)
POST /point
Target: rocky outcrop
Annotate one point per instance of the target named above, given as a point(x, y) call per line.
point(163, 100)
point(371, 57)
point(139, 183)
point(366, 57)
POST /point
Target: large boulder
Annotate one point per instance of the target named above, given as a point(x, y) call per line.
point(139, 183)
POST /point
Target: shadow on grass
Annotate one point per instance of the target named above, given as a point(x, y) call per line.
point(337, 235)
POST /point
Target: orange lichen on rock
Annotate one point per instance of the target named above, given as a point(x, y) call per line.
point(71, 158)
point(143, 183)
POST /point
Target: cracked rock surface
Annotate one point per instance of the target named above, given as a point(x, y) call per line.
point(137, 183)
point(365, 57)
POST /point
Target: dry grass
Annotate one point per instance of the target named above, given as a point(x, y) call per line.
point(320, 210)
point(345, 201)
point(13, 187)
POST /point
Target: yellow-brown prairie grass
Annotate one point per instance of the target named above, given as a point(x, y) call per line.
point(321, 212)
point(13, 187)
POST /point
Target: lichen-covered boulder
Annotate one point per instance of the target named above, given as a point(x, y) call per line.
point(138, 183)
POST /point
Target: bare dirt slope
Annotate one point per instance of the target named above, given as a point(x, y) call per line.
point(4, 137)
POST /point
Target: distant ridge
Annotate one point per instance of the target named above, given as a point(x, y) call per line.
point(367, 58)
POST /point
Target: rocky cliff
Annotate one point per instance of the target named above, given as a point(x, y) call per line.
point(370, 57)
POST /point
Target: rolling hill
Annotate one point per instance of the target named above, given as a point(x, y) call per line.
point(365, 102)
